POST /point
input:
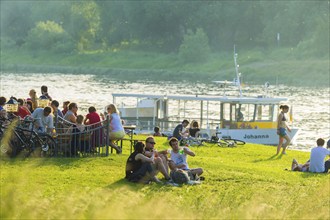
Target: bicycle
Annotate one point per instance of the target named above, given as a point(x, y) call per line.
point(224, 141)
point(27, 140)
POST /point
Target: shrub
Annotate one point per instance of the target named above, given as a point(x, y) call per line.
point(195, 47)
point(49, 36)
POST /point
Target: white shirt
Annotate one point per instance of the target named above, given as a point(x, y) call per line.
point(43, 121)
point(317, 159)
point(180, 158)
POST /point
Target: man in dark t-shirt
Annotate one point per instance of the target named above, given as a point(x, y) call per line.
point(179, 128)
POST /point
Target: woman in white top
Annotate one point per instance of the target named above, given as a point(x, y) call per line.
point(117, 131)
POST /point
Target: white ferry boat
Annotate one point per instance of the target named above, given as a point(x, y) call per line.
point(250, 119)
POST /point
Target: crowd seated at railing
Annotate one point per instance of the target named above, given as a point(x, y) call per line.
point(73, 140)
point(73, 134)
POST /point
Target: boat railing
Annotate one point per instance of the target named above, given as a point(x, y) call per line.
point(168, 125)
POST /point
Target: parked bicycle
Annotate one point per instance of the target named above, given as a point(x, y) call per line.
point(21, 138)
point(224, 141)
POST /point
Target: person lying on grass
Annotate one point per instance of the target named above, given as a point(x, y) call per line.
point(295, 166)
point(179, 157)
point(138, 166)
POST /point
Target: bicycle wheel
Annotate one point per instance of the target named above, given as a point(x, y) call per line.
point(229, 142)
point(48, 144)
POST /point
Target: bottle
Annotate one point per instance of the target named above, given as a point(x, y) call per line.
point(54, 135)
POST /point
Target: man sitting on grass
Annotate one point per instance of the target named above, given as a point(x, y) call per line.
point(160, 161)
point(318, 154)
point(179, 157)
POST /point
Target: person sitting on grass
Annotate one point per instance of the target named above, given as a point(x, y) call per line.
point(180, 176)
point(179, 157)
point(157, 132)
point(180, 132)
point(295, 166)
point(194, 129)
point(160, 161)
point(318, 154)
point(139, 167)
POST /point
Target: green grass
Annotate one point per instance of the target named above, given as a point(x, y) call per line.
point(257, 66)
point(243, 182)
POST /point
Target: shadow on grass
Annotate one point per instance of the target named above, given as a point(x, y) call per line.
point(125, 183)
point(313, 175)
point(274, 157)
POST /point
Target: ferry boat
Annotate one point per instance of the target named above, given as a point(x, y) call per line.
point(250, 119)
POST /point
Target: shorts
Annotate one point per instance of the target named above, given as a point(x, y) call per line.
point(283, 132)
point(116, 135)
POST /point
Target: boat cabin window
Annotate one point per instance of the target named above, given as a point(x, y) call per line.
point(265, 112)
point(235, 112)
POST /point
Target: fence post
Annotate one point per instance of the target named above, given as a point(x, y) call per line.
point(107, 133)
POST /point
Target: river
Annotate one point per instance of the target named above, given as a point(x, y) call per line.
point(311, 106)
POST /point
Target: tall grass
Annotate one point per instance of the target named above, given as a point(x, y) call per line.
point(245, 182)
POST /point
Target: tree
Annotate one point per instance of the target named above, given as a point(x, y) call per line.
point(49, 35)
point(195, 47)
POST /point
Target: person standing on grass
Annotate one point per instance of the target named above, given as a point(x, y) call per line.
point(179, 157)
point(117, 131)
point(318, 154)
point(139, 167)
point(44, 120)
point(160, 161)
point(282, 128)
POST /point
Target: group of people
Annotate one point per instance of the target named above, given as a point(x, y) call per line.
point(146, 162)
point(316, 163)
point(46, 115)
point(182, 132)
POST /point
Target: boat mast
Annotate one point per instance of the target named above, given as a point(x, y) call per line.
point(238, 80)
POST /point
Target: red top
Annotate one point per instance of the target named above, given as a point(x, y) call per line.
point(22, 112)
point(93, 118)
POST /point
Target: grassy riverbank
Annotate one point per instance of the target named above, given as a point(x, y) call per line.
point(258, 66)
point(241, 182)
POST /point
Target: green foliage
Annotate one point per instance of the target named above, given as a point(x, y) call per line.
point(247, 182)
point(318, 44)
point(161, 25)
point(7, 43)
point(85, 24)
point(195, 47)
point(49, 36)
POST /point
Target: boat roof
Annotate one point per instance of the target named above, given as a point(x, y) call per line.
point(224, 99)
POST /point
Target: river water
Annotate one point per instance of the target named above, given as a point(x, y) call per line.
point(311, 106)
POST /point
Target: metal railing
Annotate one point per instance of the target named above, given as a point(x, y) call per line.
point(81, 140)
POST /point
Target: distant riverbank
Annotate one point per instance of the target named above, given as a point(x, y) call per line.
point(256, 67)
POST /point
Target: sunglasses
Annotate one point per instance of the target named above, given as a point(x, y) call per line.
point(151, 142)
